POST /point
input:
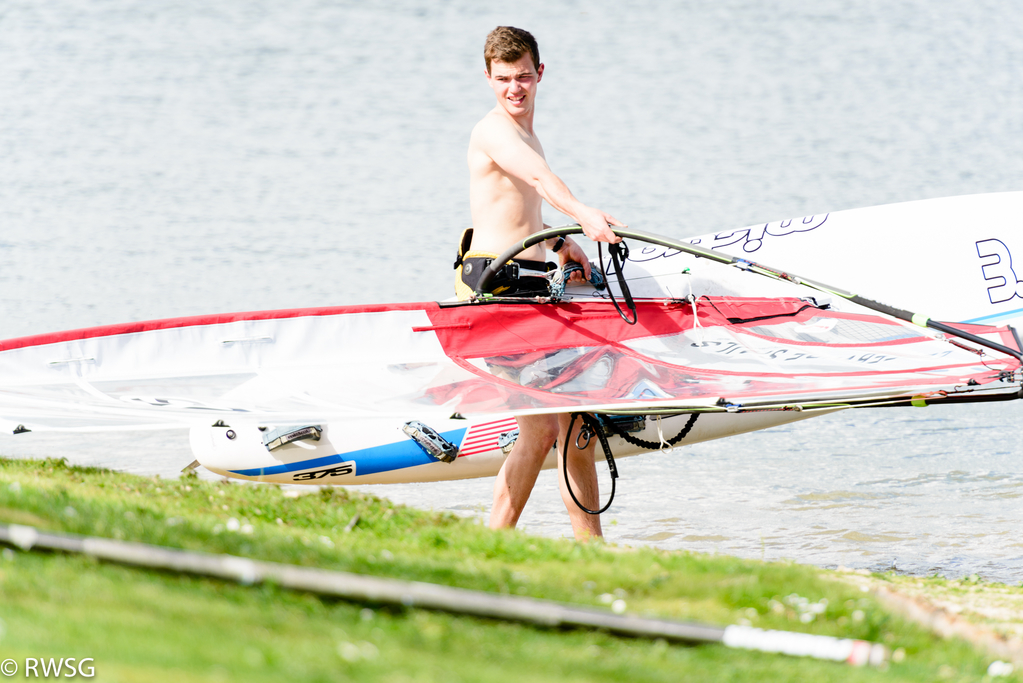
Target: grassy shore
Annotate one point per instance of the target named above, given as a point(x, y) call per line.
point(148, 626)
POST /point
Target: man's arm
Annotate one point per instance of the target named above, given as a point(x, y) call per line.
point(505, 146)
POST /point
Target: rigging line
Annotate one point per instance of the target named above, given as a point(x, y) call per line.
point(741, 321)
point(619, 253)
point(692, 297)
point(652, 445)
point(591, 425)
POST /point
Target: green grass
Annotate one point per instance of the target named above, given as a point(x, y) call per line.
point(149, 626)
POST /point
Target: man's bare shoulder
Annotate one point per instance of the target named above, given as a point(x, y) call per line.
point(494, 129)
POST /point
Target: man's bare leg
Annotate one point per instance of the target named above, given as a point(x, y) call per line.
point(583, 475)
point(518, 474)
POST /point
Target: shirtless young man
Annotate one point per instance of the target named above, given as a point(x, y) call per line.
point(508, 179)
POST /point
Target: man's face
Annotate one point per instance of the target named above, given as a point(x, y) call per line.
point(515, 84)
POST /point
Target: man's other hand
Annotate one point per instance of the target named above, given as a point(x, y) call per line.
point(573, 253)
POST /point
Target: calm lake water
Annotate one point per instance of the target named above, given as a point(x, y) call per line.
point(178, 158)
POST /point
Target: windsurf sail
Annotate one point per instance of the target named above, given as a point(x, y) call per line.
point(724, 340)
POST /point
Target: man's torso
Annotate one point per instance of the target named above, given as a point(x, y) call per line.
point(504, 209)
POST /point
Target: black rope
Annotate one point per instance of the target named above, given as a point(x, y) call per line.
point(652, 445)
point(619, 254)
point(594, 427)
point(740, 321)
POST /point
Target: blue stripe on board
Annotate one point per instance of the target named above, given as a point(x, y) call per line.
point(392, 456)
point(996, 316)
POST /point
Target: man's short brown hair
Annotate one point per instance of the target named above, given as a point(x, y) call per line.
point(507, 44)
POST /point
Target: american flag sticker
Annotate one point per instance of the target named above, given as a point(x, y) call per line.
point(483, 437)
